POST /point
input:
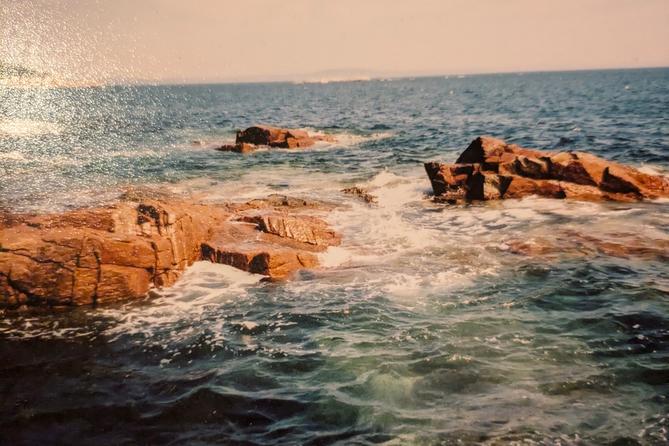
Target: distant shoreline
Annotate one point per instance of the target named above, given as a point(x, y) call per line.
point(379, 77)
point(47, 83)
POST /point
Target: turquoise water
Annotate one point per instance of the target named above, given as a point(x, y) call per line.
point(424, 327)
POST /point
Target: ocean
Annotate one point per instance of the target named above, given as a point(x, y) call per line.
point(423, 327)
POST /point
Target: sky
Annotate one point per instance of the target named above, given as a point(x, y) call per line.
point(256, 40)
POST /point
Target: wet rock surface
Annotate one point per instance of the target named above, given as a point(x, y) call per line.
point(491, 169)
point(119, 252)
point(569, 243)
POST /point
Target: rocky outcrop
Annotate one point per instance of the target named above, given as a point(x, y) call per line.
point(490, 169)
point(274, 137)
point(119, 252)
point(260, 135)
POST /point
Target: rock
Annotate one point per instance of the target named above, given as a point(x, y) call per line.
point(493, 151)
point(569, 167)
point(538, 168)
point(577, 244)
point(520, 187)
point(465, 182)
point(274, 137)
point(450, 180)
point(362, 194)
point(240, 147)
point(491, 169)
point(486, 186)
point(99, 255)
point(260, 135)
point(119, 252)
point(284, 245)
point(281, 202)
point(305, 229)
point(274, 262)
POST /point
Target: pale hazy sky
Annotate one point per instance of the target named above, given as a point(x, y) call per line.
point(218, 40)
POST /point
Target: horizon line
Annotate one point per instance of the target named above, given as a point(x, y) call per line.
point(373, 77)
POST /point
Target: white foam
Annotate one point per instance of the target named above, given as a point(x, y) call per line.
point(335, 256)
point(385, 178)
point(347, 139)
point(189, 299)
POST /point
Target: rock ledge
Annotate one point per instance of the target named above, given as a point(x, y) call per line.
point(119, 252)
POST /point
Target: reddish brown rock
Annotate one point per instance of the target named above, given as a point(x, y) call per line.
point(305, 229)
point(271, 243)
point(571, 243)
point(490, 169)
point(276, 254)
point(522, 187)
point(538, 168)
point(493, 152)
point(253, 137)
point(282, 203)
point(274, 137)
point(102, 254)
point(450, 180)
point(569, 167)
point(119, 252)
point(486, 186)
point(240, 147)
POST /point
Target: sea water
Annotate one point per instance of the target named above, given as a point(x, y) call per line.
point(425, 326)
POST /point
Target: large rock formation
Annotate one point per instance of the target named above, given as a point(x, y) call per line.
point(490, 169)
point(119, 252)
point(261, 135)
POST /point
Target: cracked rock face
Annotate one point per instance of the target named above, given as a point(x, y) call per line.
point(119, 252)
point(491, 169)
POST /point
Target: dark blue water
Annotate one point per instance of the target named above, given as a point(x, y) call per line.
point(425, 327)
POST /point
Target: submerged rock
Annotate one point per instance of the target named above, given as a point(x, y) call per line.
point(119, 252)
point(490, 169)
point(571, 243)
point(260, 135)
